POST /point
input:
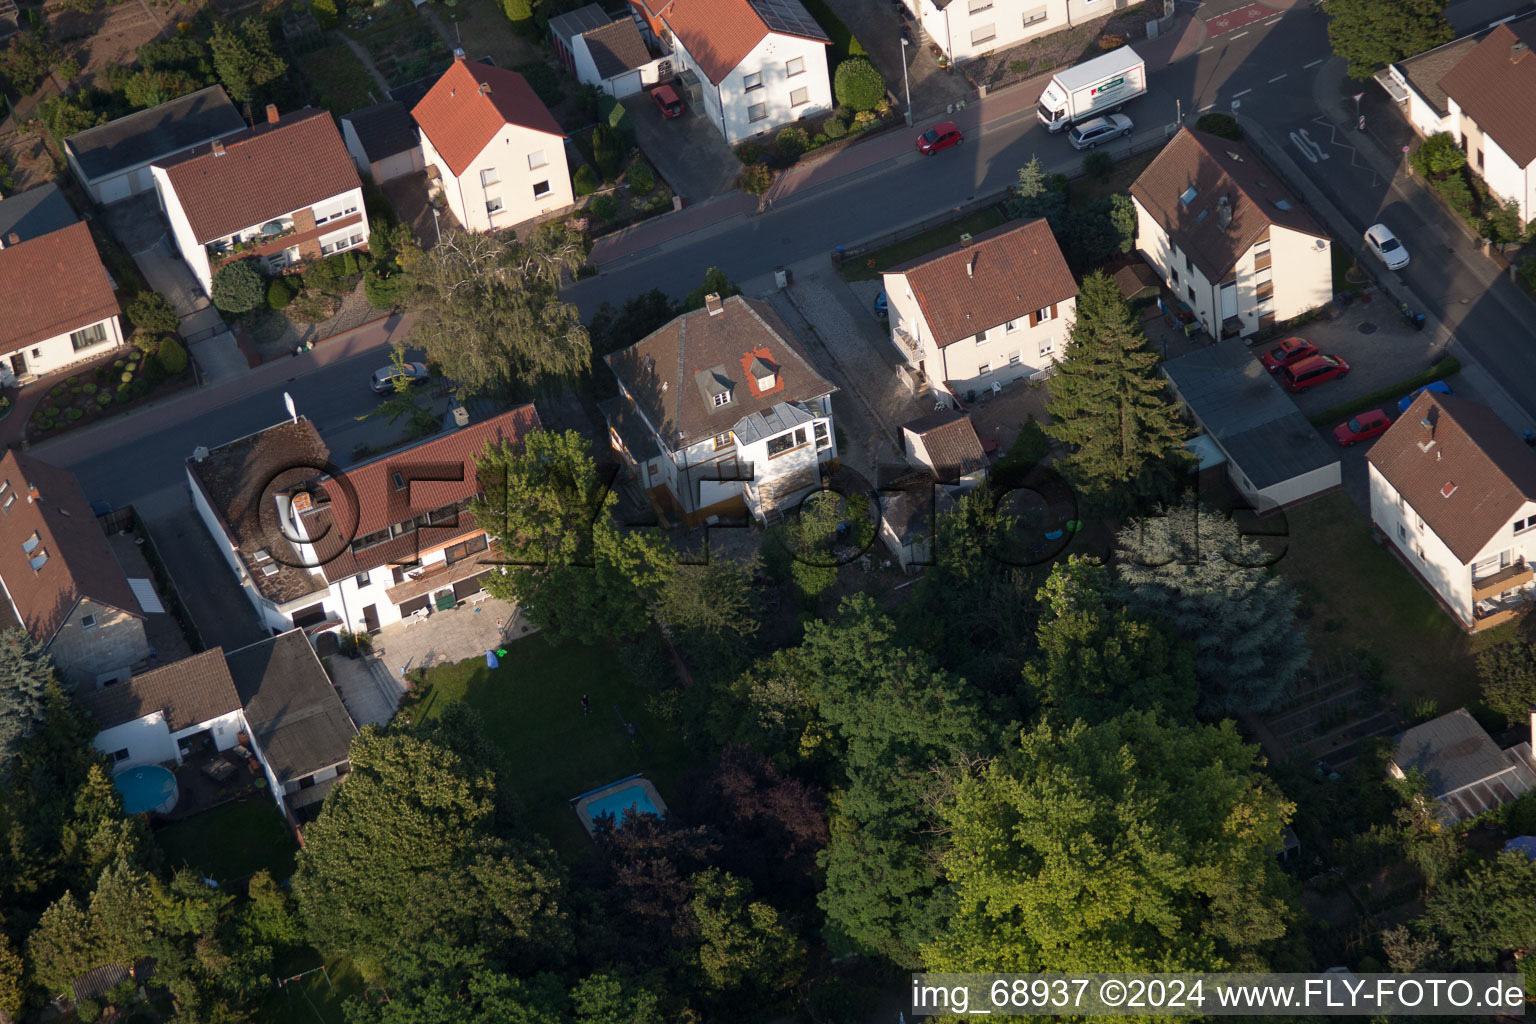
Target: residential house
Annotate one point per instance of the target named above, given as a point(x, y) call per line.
point(167, 713)
point(281, 192)
point(1227, 237)
point(1463, 769)
point(965, 29)
point(1453, 491)
point(60, 579)
point(566, 28)
point(112, 161)
point(982, 312)
point(317, 548)
point(60, 304)
point(1270, 451)
point(609, 53)
point(383, 141)
point(36, 212)
point(945, 443)
point(720, 413)
point(1480, 89)
point(498, 153)
point(297, 725)
point(751, 66)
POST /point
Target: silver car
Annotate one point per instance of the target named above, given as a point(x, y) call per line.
point(1095, 130)
point(384, 379)
point(1381, 241)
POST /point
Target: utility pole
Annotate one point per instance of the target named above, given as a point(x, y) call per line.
point(905, 82)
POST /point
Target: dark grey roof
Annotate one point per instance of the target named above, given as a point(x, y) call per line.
point(909, 505)
point(384, 129)
point(37, 211)
point(773, 420)
point(1425, 70)
point(1245, 410)
point(574, 23)
point(1465, 769)
point(616, 47)
point(300, 724)
point(188, 692)
point(155, 133)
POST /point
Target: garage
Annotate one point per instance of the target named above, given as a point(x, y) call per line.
point(625, 85)
point(383, 141)
point(112, 161)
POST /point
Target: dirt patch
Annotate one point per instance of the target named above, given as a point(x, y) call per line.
point(110, 36)
point(28, 158)
point(1033, 57)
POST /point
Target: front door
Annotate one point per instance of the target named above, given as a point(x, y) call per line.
point(1228, 300)
point(19, 365)
point(371, 618)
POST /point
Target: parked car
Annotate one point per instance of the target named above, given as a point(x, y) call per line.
point(1439, 387)
point(940, 136)
point(1289, 351)
point(882, 307)
point(666, 100)
point(384, 379)
point(1312, 371)
point(1362, 428)
point(1095, 130)
point(1381, 241)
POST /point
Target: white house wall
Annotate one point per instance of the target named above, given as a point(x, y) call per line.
point(1421, 546)
point(683, 61)
point(1297, 488)
point(1302, 265)
point(1510, 181)
point(56, 353)
point(147, 740)
point(182, 236)
point(971, 28)
point(729, 102)
point(508, 155)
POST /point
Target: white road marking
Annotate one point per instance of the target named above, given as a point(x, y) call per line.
point(1312, 65)
point(1240, 35)
point(1277, 78)
point(1206, 50)
point(1245, 92)
point(1309, 149)
point(1271, 21)
point(1203, 109)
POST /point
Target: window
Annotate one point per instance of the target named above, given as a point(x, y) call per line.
point(399, 479)
point(537, 160)
point(1035, 16)
point(1175, 272)
point(540, 189)
point(1015, 358)
point(786, 442)
point(488, 176)
point(1041, 316)
point(981, 336)
point(983, 369)
point(92, 335)
point(1402, 531)
point(977, 6)
point(723, 398)
point(459, 552)
point(1188, 263)
point(409, 526)
point(327, 218)
point(823, 440)
point(356, 239)
point(38, 560)
point(448, 515)
point(1522, 525)
point(363, 579)
point(799, 97)
point(722, 440)
point(9, 501)
point(1479, 159)
point(1262, 260)
point(397, 574)
point(794, 67)
point(120, 755)
point(493, 206)
point(1191, 293)
point(757, 112)
point(87, 622)
point(4, 487)
point(1047, 346)
point(752, 81)
point(30, 544)
point(1265, 291)
point(1010, 326)
point(985, 34)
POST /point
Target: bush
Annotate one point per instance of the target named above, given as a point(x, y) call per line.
point(584, 181)
point(103, 398)
point(1020, 67)
point(607, 151)
point(1098, 165)
point(88, 1010)
point(756, 179)
point(834, 128)
point(127, 377)
point(88, 388)
point(641, 178)
point(1444, 368)
point(172, 356)
point(520, 14)
point(237, 288)
point(1221, 125)
point(329, 276)
point(1504, 225)
point(857, 85)
point(149, 311)
point(1438, 156)
point(1456, 193)
point(792, 143)
point(349, 263)
point(749, 153)
point(384, 292)
point(73, 413)
point(325, 13)
point(278, 293)
point(605, 207)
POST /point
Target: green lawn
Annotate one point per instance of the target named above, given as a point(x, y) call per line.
point(316, 997)
point(869, 267)
point(532, 710)
point(342, 81)
point(231, 841)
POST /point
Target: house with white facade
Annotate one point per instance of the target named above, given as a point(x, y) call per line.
point(167, 713)
point(497, 152)
point(318, 549)
point(719, 413)
point(1453, 491)
point(965, 29)
point(758, 64)
point(280, 193)
point(609, 53)
point(944, 442)
point(1227, 237)
point(982, 312)
point(60, 304)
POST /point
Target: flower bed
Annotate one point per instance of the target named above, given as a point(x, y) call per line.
point(111, 387)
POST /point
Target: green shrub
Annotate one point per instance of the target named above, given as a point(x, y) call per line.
point(325, 13)
point(329, 276)
point(154, 372)
point(792, 143)
point(349, 263)
point(520, 14)
point(605, 207)
point(1098, 165)
point(103, 398)
point(123, 397)
point(584, 181)
point(88, 1010)
point(1020, 67)
point(756, 179)
point(71, 381)
point(237, 288)
point(278, 293)
point(1438, 156)
point(1221, 125)
point(1504, 224)
point(52, 412)
point(749, 153)
point(88, 388)
point(58, 389)
point(819, 140)
point(1332, 417)
point(150, 311)
point(74, 391)
point(73, 414)
point(641, 178)
point(172, 356)
point(384, 292)
point(857, 85)
point(834, 128)
point(607, 151)
point(127, 377)
point(1456, 193)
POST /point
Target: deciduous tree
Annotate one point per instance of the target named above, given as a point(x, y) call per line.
point(1487, 912)
point(1371, 34)
point(743, 946)
point(244, 58)
point(1508, 674)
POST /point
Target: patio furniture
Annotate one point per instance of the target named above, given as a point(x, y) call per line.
point(419, 615)
point(219, 771)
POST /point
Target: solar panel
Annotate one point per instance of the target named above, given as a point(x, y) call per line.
point(789, 17)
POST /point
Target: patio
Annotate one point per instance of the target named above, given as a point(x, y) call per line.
point(443, 637)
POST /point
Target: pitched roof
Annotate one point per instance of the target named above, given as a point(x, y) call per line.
point(1424, 71)
point(949, 439)
point(1452, 751)
point(298, 720)
point(190, 691)
point(1001, 275)
point(573, 23)
point(471, 103)
point(1216, 168)
point(36, 212)
point(160, 131)
point(1495, 85)
point(616, 47)
point(52, 285)
point(79, 564)
point(263, 173)
point(909, 504)
point(719, 34)
point(384, 129)
point(667, 372)
point(1493, 470)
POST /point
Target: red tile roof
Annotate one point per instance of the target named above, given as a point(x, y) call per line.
point(80, 562)
point(264, 172)
point(459, 117)
point(950, 442)
point(1015, 270)
point(193, 690)
point(52, 285)
point(720, 33)
point(1495, 85)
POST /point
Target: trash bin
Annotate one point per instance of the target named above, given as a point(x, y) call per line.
point(781, 278)
point(1418, 321)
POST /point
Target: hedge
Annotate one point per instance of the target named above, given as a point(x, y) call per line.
point(1441, 370)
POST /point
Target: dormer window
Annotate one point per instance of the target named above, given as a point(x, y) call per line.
point(722, 398)
point(30, 544)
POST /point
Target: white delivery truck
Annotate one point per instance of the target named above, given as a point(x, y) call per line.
point(1096, 86)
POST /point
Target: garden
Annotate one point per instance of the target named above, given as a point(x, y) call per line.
point(994, 71)
point(619, 185)
point(232, 841)
point(1443, 166)
point(341, 83)
point(401, 42)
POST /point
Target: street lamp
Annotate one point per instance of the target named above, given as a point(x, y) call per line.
point(905, 84)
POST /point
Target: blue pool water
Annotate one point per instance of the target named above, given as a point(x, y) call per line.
point(146, 788)
point(618, 802)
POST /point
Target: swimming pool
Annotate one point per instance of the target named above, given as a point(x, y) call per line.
point(147, 788)
point(633, 793)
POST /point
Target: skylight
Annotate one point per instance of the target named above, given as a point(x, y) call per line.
point(1188, 195)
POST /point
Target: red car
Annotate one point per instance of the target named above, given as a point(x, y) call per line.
point(1289, 351)
point(1362, 428)
point(666, 101)
point(1311, 371)
point(940, 136)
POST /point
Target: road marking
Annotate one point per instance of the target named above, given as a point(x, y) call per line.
point(1277, 78)
point(1203, 109)
point(1240, 35)
point(1206, 50)
point(1312, 65)
point(1239, 95)
point(1309, 149)
point(1271, 21)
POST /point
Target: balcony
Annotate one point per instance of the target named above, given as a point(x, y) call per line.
point(906, 339)
point(1491, 614)
point(1507, 578)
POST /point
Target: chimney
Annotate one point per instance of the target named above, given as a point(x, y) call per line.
point(713, 304)
point(218, 148)
point(13, 239)
point(271, 113)
point(1518, 51)
point(970, 266)
point(33, 494)
point(460, 416)
point(199, 453)
point(1224, 212)
point(458, 54)
point(302, 502)
point(965, 239)
point(1429, 435)
point(485, 88)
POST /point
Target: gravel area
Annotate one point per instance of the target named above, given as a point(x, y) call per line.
point(1037, 56)
point(274, 341)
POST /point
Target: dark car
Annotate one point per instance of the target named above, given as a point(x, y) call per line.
point(665, 98)
point(384, 379)
point(1439, 387)
point(1291, 350)
point(940, 136)
point(1312, 371)
point(1362, 428)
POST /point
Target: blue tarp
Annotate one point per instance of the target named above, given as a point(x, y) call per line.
point(490, 659)
point(1523, 844)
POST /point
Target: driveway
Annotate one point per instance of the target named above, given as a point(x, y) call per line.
point(688, 151)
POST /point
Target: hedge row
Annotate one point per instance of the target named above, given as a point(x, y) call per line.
point(1339, 413)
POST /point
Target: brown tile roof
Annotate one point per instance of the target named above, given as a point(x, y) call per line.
point(1493, 471)
point(661, 372)
point(1495, 85)
point(80, 562)
point(444, 471)
point(1425, 70)
point(52, 285)
point(460, 118)
point(617, 47)
point(189, 691)
point(719, 34)
point(950, 441)
point(264, 173)
point(1018, 269)
point(1217, 167)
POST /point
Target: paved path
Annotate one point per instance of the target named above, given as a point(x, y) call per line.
point(373, 69)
